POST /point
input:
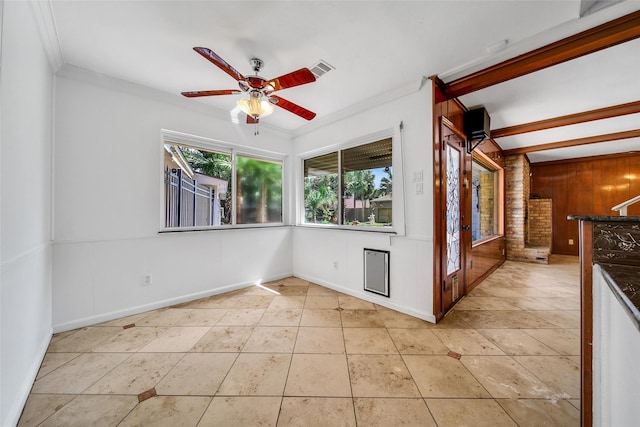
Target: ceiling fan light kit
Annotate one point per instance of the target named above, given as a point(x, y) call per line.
point(260, 102)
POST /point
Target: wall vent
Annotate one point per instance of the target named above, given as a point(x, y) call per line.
point(321, 68)
point(376, 271)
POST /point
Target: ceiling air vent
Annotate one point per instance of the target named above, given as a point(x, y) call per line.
point(321, 68)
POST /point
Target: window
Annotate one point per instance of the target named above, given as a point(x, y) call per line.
point(486, 198)
point(199, 193)
point(353, 186)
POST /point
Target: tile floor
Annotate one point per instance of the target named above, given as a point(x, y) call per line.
point(297, 354)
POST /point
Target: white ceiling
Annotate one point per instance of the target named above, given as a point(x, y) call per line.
point(376, 48)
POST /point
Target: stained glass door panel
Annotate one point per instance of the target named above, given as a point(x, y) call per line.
point(453, 209)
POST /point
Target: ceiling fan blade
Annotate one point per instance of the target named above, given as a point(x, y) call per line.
point(252, 120)
point(290, 106)
point(295, 78)
point(221, 63)
point(197, 93)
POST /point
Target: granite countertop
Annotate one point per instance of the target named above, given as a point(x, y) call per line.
point(605, 218)
point(624, 281)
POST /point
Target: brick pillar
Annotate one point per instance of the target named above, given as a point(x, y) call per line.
point(517, 194)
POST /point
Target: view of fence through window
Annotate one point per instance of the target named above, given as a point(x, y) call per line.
point(350, 187)
point(198, 188)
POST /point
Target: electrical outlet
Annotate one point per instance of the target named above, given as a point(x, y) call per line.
point(418, 188)
point(571, 241)
point(335, 265)
point(148, 279)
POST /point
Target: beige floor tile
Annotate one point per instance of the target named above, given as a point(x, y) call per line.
point(560, 340)
point(138, 373)
point(392, 412)
point(83, 340)
point(224, 339)
point(361, 319)
point(76, 375)
point(504, 319)
point(39, 407)
point(321, 302)
point(558, 372)
point(203, 317)
point(176, 339)
point(95, 411)
point(380, 376)
point(484, 303)
point(483, 290)
point(295, 281)
point(242, 411)
point(123, 321)
point(443, 376)
point(575, 403)
point(317, 290)
point(530, 303)
point(319, 340)
point(256, 374)
point(318, 375)
point(467, 341)
point(164, 317)
point(131, 339)
point(167, 411)
point(452, 320)
point(254, 301)
point(283, 302)
point(469, 412)
point(53, 361)
point(288, 291)
point(567, 303)
point(317, 412)
point(242, 317)
point(197, 374)
point(348, 302)
point(516, 342)
point(566, 319)
point(506, 379)
point(220, 301)
point(541, 413)
point(327, 318)
point(61, 335)
point(285, 317)
point(368, 341)
point(395, 319)
point(271, 339)
point(417, 341)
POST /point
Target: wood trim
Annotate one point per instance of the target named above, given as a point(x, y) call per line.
point(571, 119)
point(592, 40)
point(586, 324)
point(616, 136)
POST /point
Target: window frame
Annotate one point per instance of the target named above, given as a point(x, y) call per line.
point(223, 147)
point(338, 148)
point(485, 161)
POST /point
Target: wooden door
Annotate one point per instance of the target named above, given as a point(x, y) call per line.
point(453, 228)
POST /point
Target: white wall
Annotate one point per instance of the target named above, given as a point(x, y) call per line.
point(26, 85)
point(616, 351)
point(411, 265)
point(108, 195)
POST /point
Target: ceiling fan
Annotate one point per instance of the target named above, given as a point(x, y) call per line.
point(261, 101)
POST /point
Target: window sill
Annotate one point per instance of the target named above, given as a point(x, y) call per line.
point(221, 228)
point(356, 228)
point(486, 240)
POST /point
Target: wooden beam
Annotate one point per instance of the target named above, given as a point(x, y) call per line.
point(571, 119)
point(601, 37)
point(575, 142)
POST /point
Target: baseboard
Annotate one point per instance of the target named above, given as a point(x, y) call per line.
point(370, 297)
point(21, 399)
point(105, 317)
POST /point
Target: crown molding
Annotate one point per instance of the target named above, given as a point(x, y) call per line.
point(43, 16)
point(367, 104)
point(114, 83)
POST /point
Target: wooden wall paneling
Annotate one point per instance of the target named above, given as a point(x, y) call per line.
point(485, 258)
point(634, 184)
point(584, 179)
point(573, 193)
